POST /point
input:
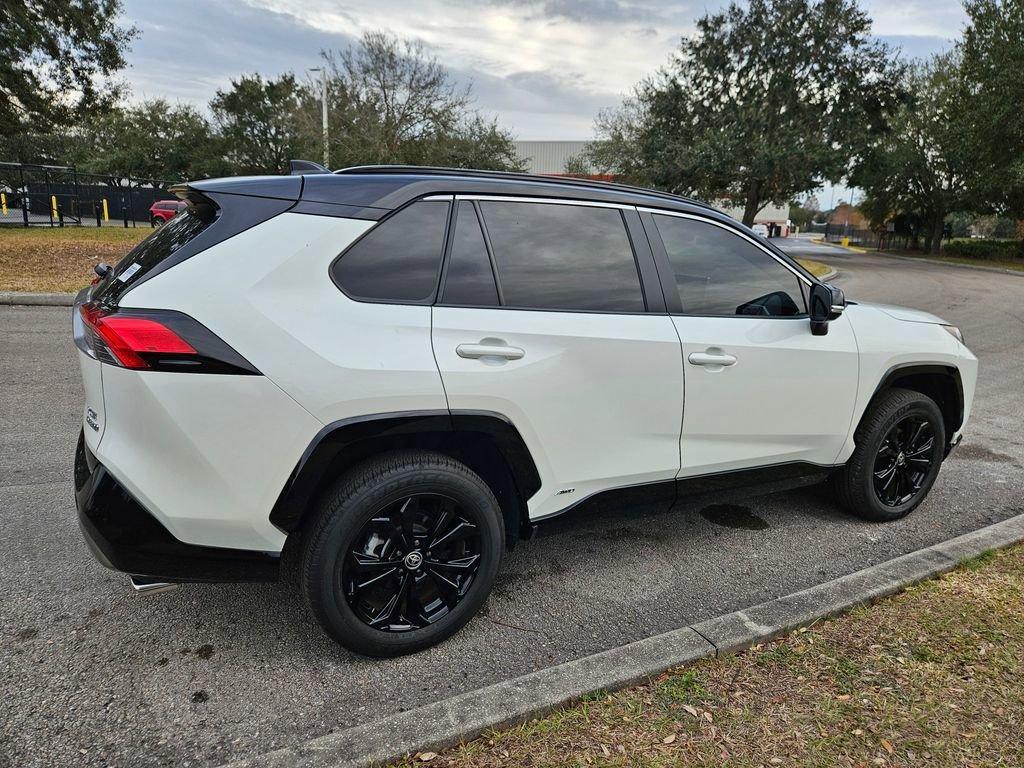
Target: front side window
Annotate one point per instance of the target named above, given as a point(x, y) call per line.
point(562, 257)
point(398, 260)
point(719, 273)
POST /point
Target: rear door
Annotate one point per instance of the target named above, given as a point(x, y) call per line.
point(543, 318)
point(761, 390)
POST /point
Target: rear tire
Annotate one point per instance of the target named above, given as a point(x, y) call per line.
point(401, 553)
point(900, 447)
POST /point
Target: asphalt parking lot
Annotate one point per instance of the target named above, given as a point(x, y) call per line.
point(91, 674)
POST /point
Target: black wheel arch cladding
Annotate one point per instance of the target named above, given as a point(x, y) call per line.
point(488, 443)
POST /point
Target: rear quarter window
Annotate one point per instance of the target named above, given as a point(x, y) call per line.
point(398, 260)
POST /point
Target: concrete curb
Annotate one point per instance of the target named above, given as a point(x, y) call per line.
point(446, 723)
point(17, 298)
point(830, 275)
point(852, 248)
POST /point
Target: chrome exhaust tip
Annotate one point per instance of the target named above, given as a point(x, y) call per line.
point(144, 586)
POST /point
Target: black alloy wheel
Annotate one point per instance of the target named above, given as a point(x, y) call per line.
point(412, 563)
point(904, 460)
point(899, 446)
point(402, 552)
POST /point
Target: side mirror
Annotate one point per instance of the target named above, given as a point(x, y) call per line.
point(826, 303)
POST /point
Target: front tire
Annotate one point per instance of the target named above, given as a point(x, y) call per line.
point(402, 552)
point(900, 446)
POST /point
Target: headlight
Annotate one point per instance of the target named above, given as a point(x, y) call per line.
point(953, 331)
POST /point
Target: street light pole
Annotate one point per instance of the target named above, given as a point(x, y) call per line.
point(323, 102)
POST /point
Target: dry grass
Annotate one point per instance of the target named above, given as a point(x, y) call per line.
point(60, 260)
point(932, 676)
point(816, 268)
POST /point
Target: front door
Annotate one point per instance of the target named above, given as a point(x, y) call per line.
point(761, 389)
point(541, 318)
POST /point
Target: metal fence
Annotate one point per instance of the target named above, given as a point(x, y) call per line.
point(60, 196)
point(871, 238)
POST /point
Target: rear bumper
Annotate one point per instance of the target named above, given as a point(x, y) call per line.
point(124, 536)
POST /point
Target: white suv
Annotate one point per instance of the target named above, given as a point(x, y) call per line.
point(404, 370)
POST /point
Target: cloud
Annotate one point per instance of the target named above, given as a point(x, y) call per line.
point(543, 67)
point(189, 49)
point(916, 18)
point(918, 46)
point(597, 11)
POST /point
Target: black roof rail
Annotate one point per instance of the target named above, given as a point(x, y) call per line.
point(428, 170)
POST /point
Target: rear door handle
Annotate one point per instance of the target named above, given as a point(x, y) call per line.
point(712, 358)
point(476, 351)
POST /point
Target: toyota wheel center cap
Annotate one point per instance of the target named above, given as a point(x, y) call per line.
point(413, 560)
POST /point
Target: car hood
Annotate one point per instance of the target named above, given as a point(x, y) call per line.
point(904, 313)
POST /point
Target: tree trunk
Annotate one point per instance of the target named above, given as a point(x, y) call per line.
point(752, 205)
point(938, 224)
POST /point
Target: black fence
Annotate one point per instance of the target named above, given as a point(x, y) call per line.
point(60, 196)
point(870, 238)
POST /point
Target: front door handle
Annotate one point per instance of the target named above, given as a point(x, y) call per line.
point(712, 358)
point(476, 351)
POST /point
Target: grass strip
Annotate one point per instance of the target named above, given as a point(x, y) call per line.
point(60, 260)
point(931, 676)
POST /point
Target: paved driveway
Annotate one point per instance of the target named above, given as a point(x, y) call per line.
point(93, 675)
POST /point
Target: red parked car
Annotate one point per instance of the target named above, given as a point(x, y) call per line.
point(164, 210)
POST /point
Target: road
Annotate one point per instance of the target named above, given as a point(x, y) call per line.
point(93, 675)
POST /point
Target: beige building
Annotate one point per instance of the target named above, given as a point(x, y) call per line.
point(770, 215)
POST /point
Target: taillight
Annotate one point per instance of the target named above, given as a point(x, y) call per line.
point(154, 339)
point(126, 337)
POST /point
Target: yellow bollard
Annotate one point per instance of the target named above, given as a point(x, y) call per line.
point(106, 211)
point(53, 206)
point(3, 203)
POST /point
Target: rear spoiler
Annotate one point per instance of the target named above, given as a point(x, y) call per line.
point(276, 187)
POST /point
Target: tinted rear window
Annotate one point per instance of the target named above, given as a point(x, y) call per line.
point(154, 249)
point(565, 257)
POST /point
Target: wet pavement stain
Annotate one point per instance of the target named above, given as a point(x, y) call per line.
point(982, 453)
point(733, 516)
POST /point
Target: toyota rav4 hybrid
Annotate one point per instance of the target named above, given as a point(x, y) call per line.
point(400, 372)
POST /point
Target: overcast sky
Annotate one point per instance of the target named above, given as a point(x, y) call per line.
point(542, 68)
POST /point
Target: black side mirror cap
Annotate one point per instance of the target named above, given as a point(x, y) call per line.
point(826, 302)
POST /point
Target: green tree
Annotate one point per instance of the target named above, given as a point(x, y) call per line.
point(767, 99)
point(389, 102)
point(256, 122)
point(155, 139)
point(578, 166)
point(55, 58)
point(801, 216)
point(919, 167)
point(992, 49)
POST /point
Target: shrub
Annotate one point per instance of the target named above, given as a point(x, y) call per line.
point(984, 249)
